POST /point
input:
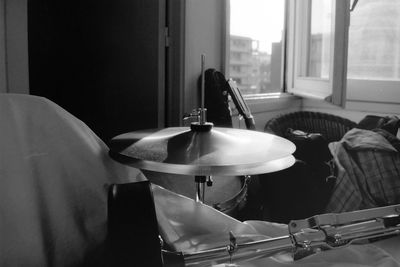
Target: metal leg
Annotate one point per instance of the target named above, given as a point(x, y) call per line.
point(200, 188)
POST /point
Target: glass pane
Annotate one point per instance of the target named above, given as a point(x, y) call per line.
point(374, 40)
point(256, 29)
point(319, 49)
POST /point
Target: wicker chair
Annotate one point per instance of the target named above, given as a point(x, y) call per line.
point(332, 127)
point(301, 191)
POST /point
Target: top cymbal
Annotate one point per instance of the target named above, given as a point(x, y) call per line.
point(220, 151)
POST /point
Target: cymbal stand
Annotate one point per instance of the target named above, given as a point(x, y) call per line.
point(201, 125)
point(200, 188)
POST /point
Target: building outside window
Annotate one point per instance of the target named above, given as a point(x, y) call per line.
point(255, 58)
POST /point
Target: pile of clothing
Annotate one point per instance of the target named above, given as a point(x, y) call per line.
point(367, 166)
point(358, 171)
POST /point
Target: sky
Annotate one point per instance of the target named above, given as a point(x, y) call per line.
point(258, 19)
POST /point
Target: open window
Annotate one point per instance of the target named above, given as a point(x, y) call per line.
point(374, 52)
point(317, 49)
point(341, 55)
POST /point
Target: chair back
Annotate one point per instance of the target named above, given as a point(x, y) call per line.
point(332, 127)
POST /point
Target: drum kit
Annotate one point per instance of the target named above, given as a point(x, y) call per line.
point(220, 151)
point(203, 150)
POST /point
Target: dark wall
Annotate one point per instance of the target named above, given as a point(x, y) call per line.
point(99, 59)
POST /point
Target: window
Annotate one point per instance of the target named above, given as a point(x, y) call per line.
point(374, 41)
point(320, 35)
point(374, 51)
point(332, 50)
point(331, 53)
point(316, 48)
point(255, 47)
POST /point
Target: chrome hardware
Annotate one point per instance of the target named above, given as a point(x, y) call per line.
point(232, 247)
point(194, 114)
point(312, 235)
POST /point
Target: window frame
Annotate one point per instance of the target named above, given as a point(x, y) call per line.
point(14, 66)
point(344, 89)
point(373, 90)
point(226, 59)
point(333, 89)
point(380, 91)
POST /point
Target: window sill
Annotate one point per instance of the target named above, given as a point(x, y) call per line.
point(261, 103)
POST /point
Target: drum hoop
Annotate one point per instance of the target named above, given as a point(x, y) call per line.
point(231, 203)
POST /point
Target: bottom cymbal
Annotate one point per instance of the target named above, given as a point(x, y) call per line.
point(220, 151)
point(267, 167)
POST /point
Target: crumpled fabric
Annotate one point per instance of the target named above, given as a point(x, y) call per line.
point(368, 172)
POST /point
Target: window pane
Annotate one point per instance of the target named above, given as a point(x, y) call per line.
point(374, 40)
point(256, 29)
point(319, 49)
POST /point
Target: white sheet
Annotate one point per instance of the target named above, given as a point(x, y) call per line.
point(53, 172)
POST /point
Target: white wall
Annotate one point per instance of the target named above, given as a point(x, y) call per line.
point(354, 111)
point(14, 76)
point(203, 35)
point(264, 110)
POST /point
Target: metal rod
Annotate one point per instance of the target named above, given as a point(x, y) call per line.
point(271, 246)
point(246, 251)
point(354, 226)
point(200, 188)
point(353, 6)
point(200, 192)
point(202, 92)
point(343, 218)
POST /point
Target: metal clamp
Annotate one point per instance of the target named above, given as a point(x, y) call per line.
point(194, 114)
point(232, 247)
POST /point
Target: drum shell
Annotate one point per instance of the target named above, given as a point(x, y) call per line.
point(227, 194)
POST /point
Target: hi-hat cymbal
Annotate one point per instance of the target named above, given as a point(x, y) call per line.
point(220, 151)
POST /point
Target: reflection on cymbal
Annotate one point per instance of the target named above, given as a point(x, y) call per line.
point(221, 151)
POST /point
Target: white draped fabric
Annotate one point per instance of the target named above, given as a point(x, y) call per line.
point(53, 176)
